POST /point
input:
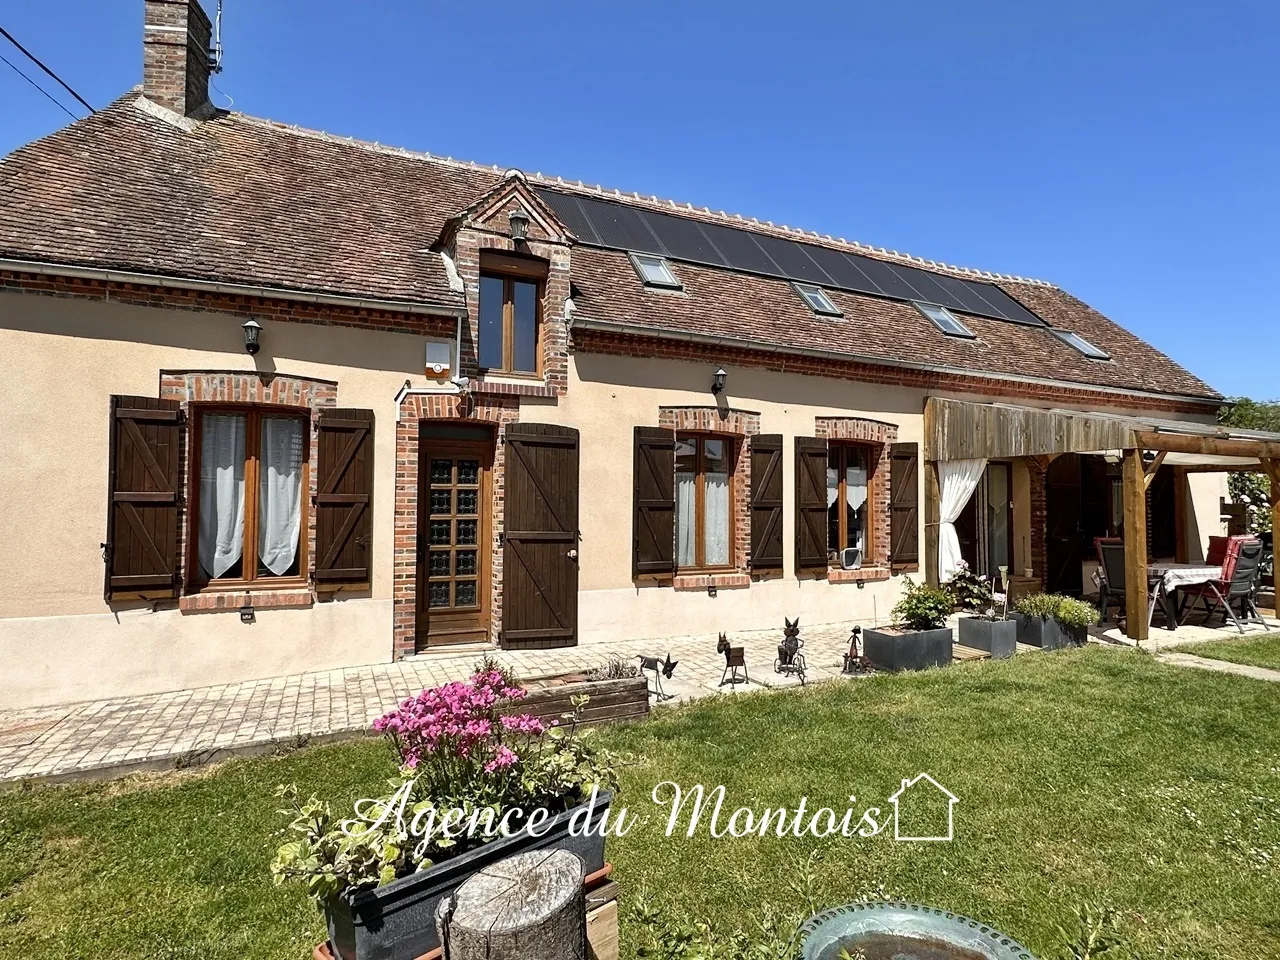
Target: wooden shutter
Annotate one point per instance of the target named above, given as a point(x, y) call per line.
point(904, 506)
point(811, 503)
point(766, 502)
point(654, 504)
point(540, 537)
point(344, 499)
point(144, 480)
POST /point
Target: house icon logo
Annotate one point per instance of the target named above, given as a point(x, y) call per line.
point(920, 806)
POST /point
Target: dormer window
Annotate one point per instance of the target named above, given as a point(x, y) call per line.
point(817, 299)
point(1081, 344)
point(944, 320)
point(655, 271)
point(511, 291)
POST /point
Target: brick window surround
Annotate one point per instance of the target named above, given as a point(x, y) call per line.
point(190, 387)
point(739, 426)
point(414, 409)
point(879, 436)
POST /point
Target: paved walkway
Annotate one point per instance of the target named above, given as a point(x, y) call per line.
point(194, 726)
point(1221, 666)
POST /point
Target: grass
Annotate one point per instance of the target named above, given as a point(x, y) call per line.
point(1259, 651)
point(1095, 776)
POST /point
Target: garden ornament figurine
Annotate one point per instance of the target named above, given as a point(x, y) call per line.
point(854, 661)
point(790, 660)
point(735, 659)
point(660, 669)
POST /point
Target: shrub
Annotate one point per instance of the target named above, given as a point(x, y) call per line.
point(1067, 611)
point(614, 668)
point(923, 607)
point(970, 591)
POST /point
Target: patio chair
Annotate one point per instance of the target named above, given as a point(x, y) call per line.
point(1239, 584)
point(1217, 551)
point(1110, 572)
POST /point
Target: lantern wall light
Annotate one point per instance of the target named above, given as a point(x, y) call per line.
point(252, 330)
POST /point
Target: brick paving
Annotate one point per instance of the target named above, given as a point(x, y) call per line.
point(191, 726)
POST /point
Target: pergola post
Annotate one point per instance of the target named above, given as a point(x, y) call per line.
point(1135, 546)
point(1272, 468)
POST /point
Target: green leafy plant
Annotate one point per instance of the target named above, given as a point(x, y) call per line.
point(970, 591)
point(1092, 935)
point(923, 607)
point(614, 668)
point(1067, 611)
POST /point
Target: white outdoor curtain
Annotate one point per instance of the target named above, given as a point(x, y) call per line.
point(221, 492)
point(957, 479)
point(686, 525)
point(715, 503)
point(280, 493)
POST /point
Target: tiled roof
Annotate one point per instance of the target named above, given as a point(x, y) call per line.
point(240, 200)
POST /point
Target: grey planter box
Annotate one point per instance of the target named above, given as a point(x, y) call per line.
point(398, 921)
point(1048, 633)
point(998, 637)
point(907, 650)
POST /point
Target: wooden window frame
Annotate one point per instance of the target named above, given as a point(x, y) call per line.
point(253, 414)
point(872, 452)
point(731, 451)
point(509, 281)
point(1007, 465)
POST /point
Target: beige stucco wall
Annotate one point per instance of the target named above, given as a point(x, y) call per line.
point(60, 361)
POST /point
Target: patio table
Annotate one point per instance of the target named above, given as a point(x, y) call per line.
point(1167, 578)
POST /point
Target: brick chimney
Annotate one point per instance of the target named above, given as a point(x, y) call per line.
point(175, 56)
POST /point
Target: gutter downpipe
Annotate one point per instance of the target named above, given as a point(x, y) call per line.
point(630, 329)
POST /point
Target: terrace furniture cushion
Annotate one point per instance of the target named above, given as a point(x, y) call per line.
point(1238, 585)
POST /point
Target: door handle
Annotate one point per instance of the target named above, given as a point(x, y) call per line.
point(572, 554)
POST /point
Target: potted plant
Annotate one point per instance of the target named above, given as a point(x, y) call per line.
point(380, 875)
point(919, 637)
point(986, 625)
point(1051, 621)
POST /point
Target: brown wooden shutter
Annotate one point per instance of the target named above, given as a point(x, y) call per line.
point(766, 502)
point(344, 499)
point(904, 506)
point(143, 490)
point(811, 503)
point(654, 504)
point(540, 537)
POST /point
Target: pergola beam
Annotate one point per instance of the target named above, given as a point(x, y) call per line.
point(1272, 468)
point(1153, 469)
point(1214, 446)
point(1135, 546)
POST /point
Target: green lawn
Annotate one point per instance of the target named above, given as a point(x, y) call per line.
point(1260, 651)
point(1093, 775)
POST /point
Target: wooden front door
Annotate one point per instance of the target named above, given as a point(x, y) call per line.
point(1065, 540)
point(454, 505)
point(540, 537)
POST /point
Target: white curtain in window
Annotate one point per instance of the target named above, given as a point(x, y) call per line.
point(221, 492)
point(686, 525)
point(716, 505)
point(280, 493)
point(957, 479)
point(855, 485)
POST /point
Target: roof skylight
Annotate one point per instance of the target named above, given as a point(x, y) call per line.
point(655, 271)
point(944, 320)
point(1081, 344)
point(817, 299)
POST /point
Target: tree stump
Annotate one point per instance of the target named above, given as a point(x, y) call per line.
point(528, 907)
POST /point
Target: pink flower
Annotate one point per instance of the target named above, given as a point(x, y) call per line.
point(502, 758)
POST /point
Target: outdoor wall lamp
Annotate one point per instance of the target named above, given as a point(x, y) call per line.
point(252, 329)
point(717, 381)
point(519, 225)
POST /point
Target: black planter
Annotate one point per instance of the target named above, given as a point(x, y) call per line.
point(1048, 633)
point(998, 637)
point(908, 650)
point(398, 921)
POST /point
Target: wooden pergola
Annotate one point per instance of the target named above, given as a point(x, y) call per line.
point(960, 430)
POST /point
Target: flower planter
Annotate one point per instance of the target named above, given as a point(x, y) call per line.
point(998, 637)
point(398, 921)
point(907, 649)
point(1048, 633)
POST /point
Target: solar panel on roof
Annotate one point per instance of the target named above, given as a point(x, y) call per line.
point(790, 256)
point(1009, 308)
point(684, 239)
point(621, 227)
point(571, 214)
point(930, 291)
point(892, 284)
point(967, 299)
point(843, 270)
point(741, 250)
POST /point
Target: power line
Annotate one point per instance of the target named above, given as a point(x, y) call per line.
point(34, 59)
point(38, 87)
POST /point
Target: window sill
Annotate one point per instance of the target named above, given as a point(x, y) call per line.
point(861, 575)
point(531, 387)
point(721, 581)
point(234, 600)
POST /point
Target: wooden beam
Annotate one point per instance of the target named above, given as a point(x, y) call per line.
point(1272, 468)
point(1217, 446)
point(932, 516)
point(1182, 550)
point(1135, 546)
point(1153, 469)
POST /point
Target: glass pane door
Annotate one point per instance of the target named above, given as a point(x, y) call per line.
point(453, 534)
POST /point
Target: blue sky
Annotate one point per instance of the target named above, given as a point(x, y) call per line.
point(1126, 151)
